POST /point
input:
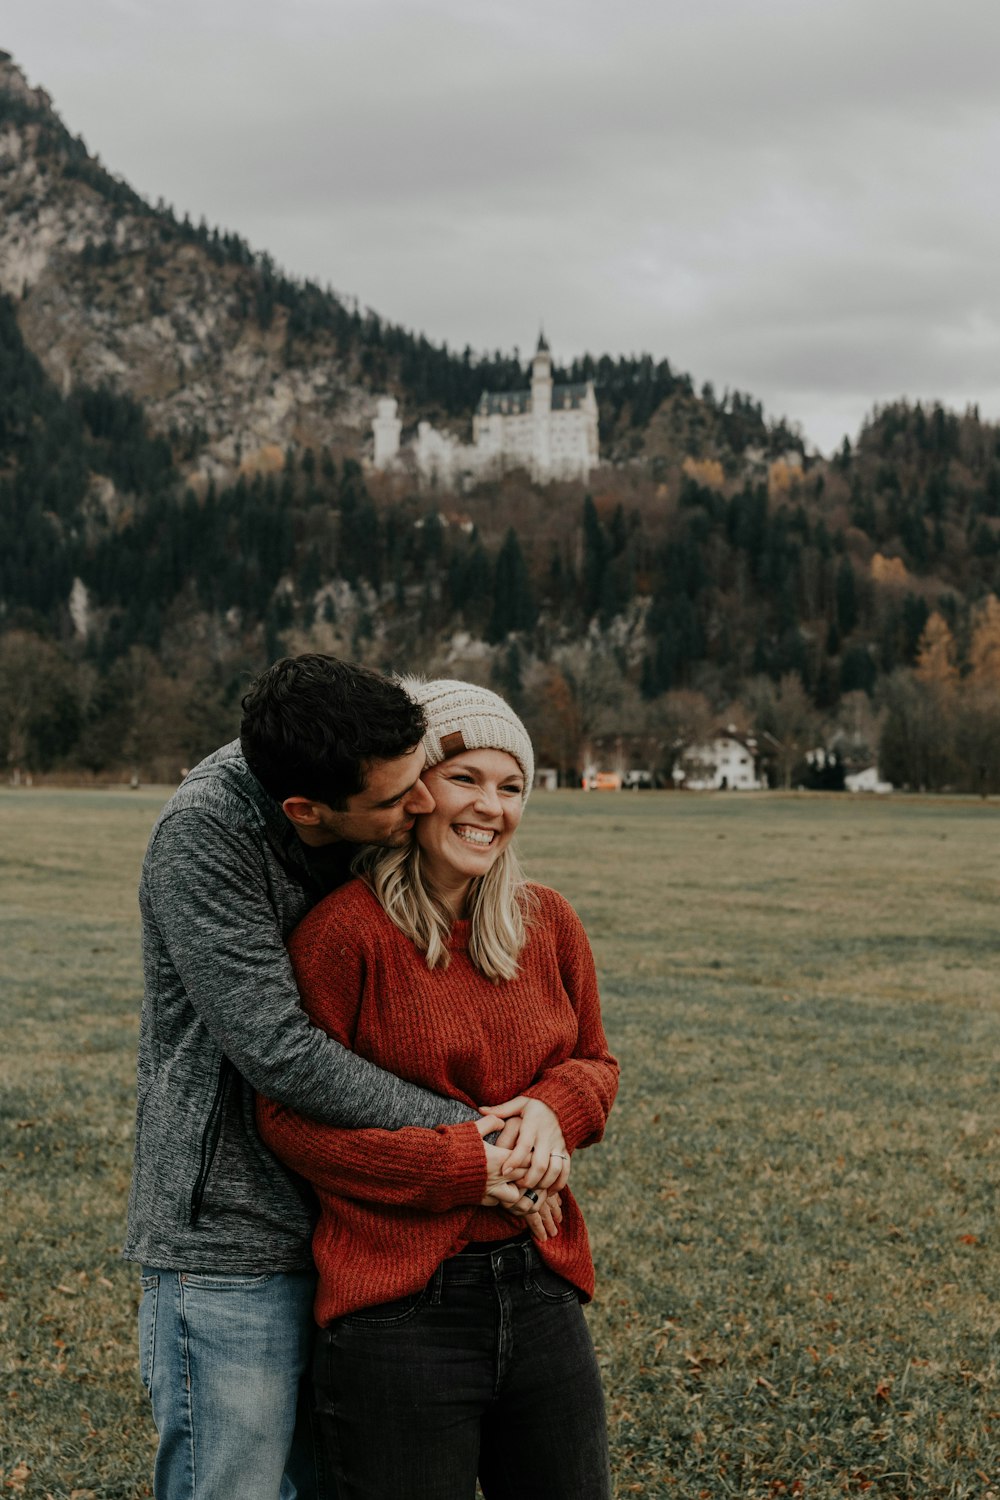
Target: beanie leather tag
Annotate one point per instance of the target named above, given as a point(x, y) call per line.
point(453, 744)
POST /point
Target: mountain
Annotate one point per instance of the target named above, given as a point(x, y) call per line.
point(183, 497)
point(228, 356)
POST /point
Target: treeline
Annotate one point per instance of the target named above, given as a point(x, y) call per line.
point(54, 453)
point(790, 596)
point(628, 616)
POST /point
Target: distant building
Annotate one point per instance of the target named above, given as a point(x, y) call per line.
point(386, 429)
point(601, 781)
point(867, 780)
point(725, 763)
point(550, 430)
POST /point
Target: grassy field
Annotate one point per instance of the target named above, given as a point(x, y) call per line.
point(794, 1212)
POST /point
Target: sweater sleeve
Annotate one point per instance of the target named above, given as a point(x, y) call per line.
point(209, 907)
point(582, 1089)
point(422, 1169)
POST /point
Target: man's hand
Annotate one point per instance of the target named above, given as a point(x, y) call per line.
point(501, 1188)
point(537, 1151)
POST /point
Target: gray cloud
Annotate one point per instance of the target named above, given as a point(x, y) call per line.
point(793, 197)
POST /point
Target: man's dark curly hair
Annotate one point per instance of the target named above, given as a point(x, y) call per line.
point(313, 725)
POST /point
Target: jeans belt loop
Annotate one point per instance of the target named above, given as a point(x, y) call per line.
point(435, 1284)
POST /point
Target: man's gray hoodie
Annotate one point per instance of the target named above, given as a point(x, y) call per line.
point(225, 880)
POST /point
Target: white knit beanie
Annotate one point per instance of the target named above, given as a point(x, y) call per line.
point(461, 716)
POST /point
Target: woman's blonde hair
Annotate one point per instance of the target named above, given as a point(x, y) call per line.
point(499, 904)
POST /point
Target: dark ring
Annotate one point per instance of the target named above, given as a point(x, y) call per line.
point(530, 1194)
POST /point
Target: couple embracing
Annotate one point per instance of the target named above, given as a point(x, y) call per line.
point(369, 1049)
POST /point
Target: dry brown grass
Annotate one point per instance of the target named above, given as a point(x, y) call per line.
point(793, 1214)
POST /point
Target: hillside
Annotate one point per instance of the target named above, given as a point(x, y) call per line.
point(182, 497)
point(227, 355)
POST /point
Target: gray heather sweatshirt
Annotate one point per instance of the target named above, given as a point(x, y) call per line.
point(225, 880)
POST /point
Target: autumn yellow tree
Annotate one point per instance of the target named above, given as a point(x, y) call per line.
point(936, 654)
point(984, 648)
point(978, 729)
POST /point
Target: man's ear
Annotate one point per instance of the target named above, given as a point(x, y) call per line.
point(302, 811)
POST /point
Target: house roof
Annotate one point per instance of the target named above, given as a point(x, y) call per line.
point(747, 741)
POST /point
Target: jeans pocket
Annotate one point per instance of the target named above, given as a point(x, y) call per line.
point(551, 1287)
point(210, 1283)
point(386, 1314)
point(147, 1329)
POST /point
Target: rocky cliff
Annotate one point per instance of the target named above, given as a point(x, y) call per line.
point(111, 291)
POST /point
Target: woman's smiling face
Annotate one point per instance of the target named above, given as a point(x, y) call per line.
point(479, 797)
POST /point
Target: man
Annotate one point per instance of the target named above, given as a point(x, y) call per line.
point(329, 756)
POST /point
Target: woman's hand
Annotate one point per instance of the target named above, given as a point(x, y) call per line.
point(537, 1158)
point(541, 1213)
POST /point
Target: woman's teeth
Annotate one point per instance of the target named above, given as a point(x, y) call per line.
point(481, 837)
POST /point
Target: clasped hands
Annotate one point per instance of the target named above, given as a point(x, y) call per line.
point(529, 1154)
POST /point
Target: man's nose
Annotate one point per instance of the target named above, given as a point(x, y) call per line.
point(419, 800)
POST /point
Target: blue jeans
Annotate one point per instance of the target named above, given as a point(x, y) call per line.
point(488, 1370)
point(223, 1359)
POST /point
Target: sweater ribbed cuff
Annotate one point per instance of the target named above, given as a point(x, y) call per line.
point(459, 1178)
point(574, 1109)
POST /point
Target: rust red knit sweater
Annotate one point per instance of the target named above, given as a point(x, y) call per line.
point(394, 1204)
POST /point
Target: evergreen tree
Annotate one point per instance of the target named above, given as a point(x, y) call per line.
point(360, 540)
point(595, 559)
point(513, 599)
point(858, 670)
point(847, 597)
point(508, 676)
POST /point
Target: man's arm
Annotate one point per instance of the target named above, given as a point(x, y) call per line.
point(213, 913)
point(421, 1169)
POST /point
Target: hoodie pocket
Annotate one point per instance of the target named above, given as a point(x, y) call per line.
point(210, 1137)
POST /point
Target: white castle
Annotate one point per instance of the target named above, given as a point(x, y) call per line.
point(550, 430)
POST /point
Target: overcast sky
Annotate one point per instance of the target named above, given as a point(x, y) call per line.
point(798, 198)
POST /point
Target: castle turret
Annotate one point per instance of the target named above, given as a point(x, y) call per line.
point(541, 409)
point(386, 429)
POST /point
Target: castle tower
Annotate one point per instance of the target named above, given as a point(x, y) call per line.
point(386, 429)
point(541, 409)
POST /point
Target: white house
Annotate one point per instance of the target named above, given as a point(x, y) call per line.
point(550, 430)
point(725, 763)
point(867, 780)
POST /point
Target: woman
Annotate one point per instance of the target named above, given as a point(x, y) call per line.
point(452, 1344)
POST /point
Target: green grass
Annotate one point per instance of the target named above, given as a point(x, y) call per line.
point(794, 1211)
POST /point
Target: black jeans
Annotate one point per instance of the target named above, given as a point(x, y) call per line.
point(489, 1370)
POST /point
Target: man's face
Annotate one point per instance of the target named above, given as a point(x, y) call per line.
point(382, 813)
